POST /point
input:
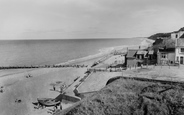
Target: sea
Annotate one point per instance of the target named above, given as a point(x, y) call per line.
point(48, 52)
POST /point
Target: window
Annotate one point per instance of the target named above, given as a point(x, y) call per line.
point(176, 36)
point(182, 49)
point(163, 55)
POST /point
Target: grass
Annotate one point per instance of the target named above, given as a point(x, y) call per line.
point(131, 97)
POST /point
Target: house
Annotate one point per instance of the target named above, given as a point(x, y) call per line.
point(130, 58)
point(165, 56)
point(151, 57)
point(136, 57)
point(179, 46)
point(179, 51)
point(176, 35)
point(150, 54)
point(141, 56)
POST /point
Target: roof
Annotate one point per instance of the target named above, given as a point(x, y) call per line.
point(141, 52)
point(131, 53)
point(182, 36)
point(169, 50)
point(180, 42)
point(150, 52)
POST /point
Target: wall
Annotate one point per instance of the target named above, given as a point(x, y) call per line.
point(178, 54)
point(158, 58)
point(171, 57)
point(173, 35)
point(131, 62)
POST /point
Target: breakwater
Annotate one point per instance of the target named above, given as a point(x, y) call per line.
point(41, 66)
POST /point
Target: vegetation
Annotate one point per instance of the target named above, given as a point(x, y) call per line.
point(155, 36)
point(132, 97)
point(163, 43)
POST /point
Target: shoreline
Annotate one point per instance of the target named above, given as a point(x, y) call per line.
point(39, 84)
point(102, 52)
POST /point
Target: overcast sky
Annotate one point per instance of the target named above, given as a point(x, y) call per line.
point(63, 19)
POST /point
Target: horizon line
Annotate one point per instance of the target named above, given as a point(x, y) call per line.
point(69, 38)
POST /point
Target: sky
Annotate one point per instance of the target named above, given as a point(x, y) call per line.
point(70, 19)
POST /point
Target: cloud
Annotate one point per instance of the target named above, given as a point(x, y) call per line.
point(22, 19)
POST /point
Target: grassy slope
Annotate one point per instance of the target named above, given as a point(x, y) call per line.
point(131, 97)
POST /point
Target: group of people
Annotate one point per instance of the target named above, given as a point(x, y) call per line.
point(1, 89)
point(61, 87)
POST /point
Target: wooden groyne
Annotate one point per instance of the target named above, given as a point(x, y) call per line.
point(41, 66)
point(107, 70)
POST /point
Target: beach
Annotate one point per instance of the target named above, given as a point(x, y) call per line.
point(16, 86)
point(22, 87)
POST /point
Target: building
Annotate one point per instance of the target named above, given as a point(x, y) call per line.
point(166, 56)
point(179, 46)
point(179, 54)
point(176, 35)
point(130, 58)
point(141, 56)
point(151, 57)
point(136, 57)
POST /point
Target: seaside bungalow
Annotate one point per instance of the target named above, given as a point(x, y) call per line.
point(130, 58)
point(141, 56)
point(179, 51)
point(166, 56)
point(136, 57)
point(150, 54)
point(151, 57)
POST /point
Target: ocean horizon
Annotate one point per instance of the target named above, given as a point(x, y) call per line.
point(47, 52)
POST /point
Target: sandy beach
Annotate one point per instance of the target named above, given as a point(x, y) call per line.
point(21, 87)
point(18, 87)
point(19, 91)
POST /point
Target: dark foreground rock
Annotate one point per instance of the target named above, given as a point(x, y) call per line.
point(133, 97)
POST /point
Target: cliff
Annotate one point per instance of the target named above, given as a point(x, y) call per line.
point(137, 96)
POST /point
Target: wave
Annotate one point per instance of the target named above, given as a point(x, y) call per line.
point(101, 52)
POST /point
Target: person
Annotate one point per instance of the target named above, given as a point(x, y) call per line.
point(62, 88)
point(60, 106)
point(1, 89)
point(54, 88)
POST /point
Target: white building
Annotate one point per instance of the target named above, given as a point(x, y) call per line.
point(179, 46)
point(176, 35)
